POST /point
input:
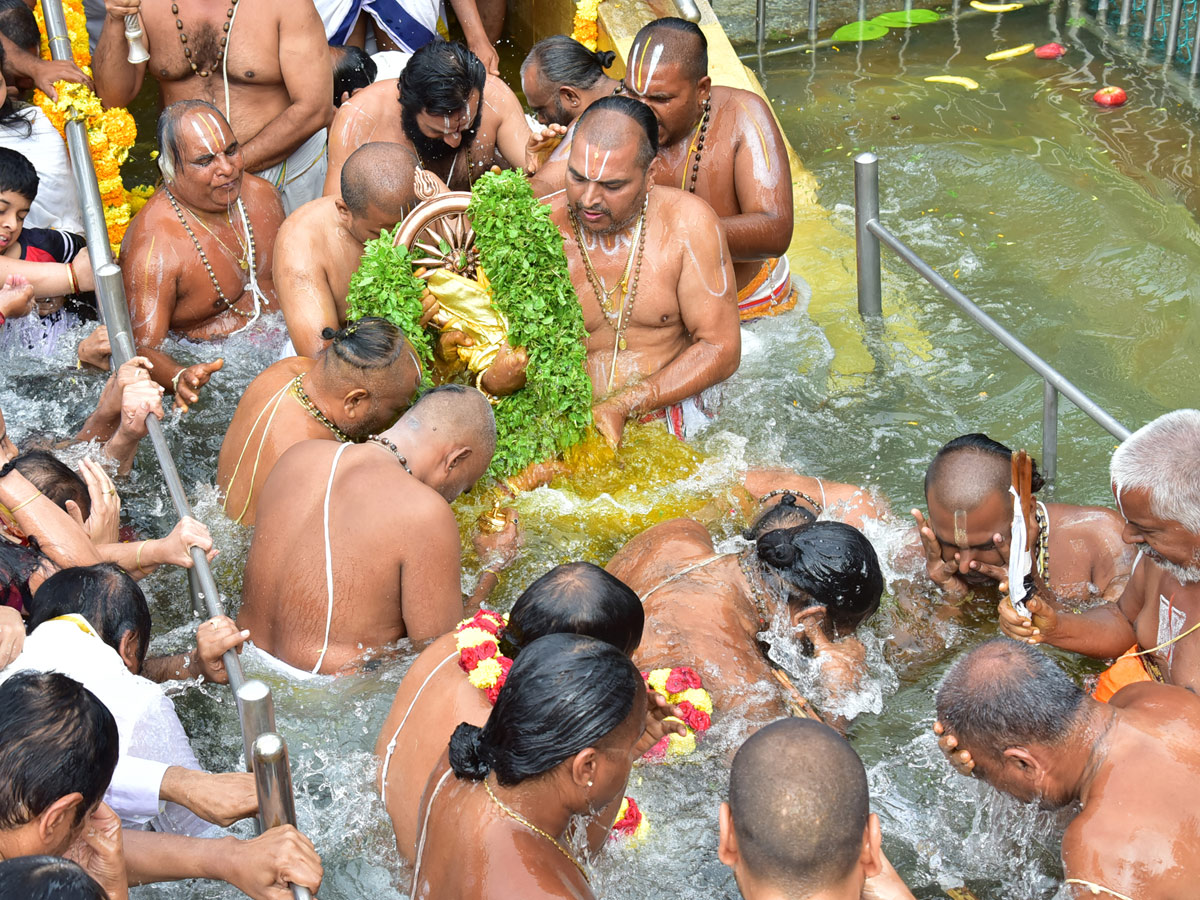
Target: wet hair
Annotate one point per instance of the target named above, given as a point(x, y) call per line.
point(105, 595)
point(969, 469)
point(17, 174)
point(18, 24)
point(784, 514)
point(565, 692)
point(366, 343)
point(353, 70)
point(56, 738)
point(54, 478)
point(683, 42)
point(801, 833)
point(1005, 693)
point(17, 565)
point(440, 78)
point(1163, 459)
point(169, 157)
point(829, 564)
point(379, 173)
point(563, 61)
point(576, 598)
point(10, 117)
point(447, 408)
point(636, 110)
point(47, 878)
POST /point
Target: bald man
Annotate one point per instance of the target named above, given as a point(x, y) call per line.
point(810, 835)
point(320, 245)
point(359, 384)
point(356, 545)
point(1077, 549)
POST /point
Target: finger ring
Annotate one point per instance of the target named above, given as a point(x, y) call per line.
point(111, 491)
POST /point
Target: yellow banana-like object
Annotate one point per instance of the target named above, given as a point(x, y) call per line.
point(996, 7)
point(1010, 53)
point(969, 83)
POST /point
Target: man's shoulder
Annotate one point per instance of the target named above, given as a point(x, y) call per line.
point(374, 96)
point(259, 196)
point(683, 210)
point(305, 218)
point(1083, 519)
point(739, 101)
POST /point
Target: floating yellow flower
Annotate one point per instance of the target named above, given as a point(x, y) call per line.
point(586, 31)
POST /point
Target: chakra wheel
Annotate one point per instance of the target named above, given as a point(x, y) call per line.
point(439, 235)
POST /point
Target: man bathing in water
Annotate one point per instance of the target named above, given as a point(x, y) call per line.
point(368, 529)
point(1151, 627)
point(266, 64)
point(320, 245)
point(358, 385)
point(652, 272)
point(1009, 715)
point(197, 258)
point(454, 119)
point(966, 539)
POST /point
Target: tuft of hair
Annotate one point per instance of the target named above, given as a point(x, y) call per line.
point(105, 595)
point(169, 159)
point(367, 343)
point(379, 174)
point(440, 78)
point(353, 70)
point(784, 514)
point(459, 414)
point(603, 117)
point(54, 478)
point(799, 802)
point(577, 598)
point(56, 738)
point(18, 24)
point(682, 41)
point(1004, 694)
point(47, 878)
point(971, 468)
point(17, 174)
point(563, 61)
point(1163, 459)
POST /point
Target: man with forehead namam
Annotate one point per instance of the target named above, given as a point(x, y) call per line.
point(721, 144)
point(266, 64)
point(445, 109)
point(652, 271)
point(197, 258)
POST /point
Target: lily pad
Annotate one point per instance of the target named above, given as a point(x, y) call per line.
point(860, 31)
point(906, 18)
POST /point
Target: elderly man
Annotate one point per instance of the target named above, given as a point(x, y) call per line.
point(1078, 550)
point(321, 243)
point(561, 78)
point(265, 64)
point(653, 274)
point(1151, 627)
point(366, 531)
point(723, 145)
point(451, 115)
point(1010, 716)
point(197, 259)
point(358, 385)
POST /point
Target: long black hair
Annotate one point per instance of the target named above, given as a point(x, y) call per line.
point(10, 117)
point(564, 693)
point(562, 60)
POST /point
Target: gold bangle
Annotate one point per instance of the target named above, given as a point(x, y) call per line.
point(490, 397)
point(138, 558)
point(20, 506)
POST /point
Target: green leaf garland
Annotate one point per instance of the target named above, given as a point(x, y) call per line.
point(385, 286)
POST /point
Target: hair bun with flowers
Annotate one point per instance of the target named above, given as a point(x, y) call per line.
point(478, 643)
point(683, 688)
point(630, 823)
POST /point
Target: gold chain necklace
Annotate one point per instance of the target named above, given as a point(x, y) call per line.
point(296, 389)
point(597, 283)
point(513, 814)
point(204, 256)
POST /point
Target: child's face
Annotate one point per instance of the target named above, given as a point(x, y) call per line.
point(13, 210)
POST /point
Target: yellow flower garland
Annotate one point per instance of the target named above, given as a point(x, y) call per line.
point(586, 30)
point(111, 132)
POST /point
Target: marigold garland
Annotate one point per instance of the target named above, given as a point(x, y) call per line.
point(683, 688)
point(586, 30)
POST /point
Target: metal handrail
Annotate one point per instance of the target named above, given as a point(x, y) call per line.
point(870, 234)
point(110, 292)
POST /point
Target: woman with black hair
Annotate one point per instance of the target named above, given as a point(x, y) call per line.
point(558, 744)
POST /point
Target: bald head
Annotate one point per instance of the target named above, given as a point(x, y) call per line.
point(681, 41)
point(970, 469)
point(379, 174)
point(799, 802)
point(455, 415)
point(616, 121)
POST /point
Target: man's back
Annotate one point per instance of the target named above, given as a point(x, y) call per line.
point(1087, 555)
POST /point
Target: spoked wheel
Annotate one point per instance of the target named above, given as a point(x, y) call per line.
point(438, 234)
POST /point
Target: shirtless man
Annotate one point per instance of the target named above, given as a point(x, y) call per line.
point(197, 258)
point(1156, 482)
point(1130, 764)
point(454, 118)
point(377, 518)
point(320, 244)
point(652, 271)
point(274, 83)
point(358, 385)
point(966, 538)
point(561, 78)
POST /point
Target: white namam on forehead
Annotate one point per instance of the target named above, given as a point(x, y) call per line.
point(592, 156)
point(641, 70)
point(208, 132)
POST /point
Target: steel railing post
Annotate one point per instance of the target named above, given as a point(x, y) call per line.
point(257, 710)
point(273, 778)
point(1126, 16)
point(760, 24)
point(866, 244)
point(1173, 30)
point(1148, 26)
point(1049, 431)
point(1195, 67)
point(812, 22)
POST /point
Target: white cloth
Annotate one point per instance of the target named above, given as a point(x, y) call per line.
point(389, 64)
point(56, 204)
point(300, 177)
point(151, 736)
point(277, 665)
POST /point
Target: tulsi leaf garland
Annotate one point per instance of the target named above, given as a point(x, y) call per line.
point(385, 286)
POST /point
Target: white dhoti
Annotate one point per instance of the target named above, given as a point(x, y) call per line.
point(300, 177)
point(277, 665)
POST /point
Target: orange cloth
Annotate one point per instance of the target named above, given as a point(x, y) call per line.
point(1126, 669)
point(769, 293)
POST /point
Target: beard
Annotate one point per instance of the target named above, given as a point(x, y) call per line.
point(1185, 575)
point(435, 149)
point(614, 227)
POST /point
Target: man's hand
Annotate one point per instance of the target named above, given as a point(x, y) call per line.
point(506, 374)
point(263, 867)
point(12, 635)
point(843, 664)
point(662, 718)
point(943, 574)
point(500, 550)
point(16, 297)
point(119, 9)
point(174, 549)
point(138, 400)
point(1032, 629)
point(104, 521)
point(218, 797)
point(960, 759)
point(98, 849)
point(95, 350)
point(213, 639)
point(609, 417)
point(191, 379)
point(541, 144)
point(487, 55)
point(448, 343)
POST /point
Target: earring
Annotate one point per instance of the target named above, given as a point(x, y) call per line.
point(589, 784)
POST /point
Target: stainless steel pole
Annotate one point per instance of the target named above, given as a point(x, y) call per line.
point(866, 211)
point(812, 22)
point(688, 10)
point(1195, 68)
point(272, 777)
point(760, 23)
point(1126, 15)
point(257, 710)
point(1049, 430)
point(1173, 30)
point(1148, 25)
